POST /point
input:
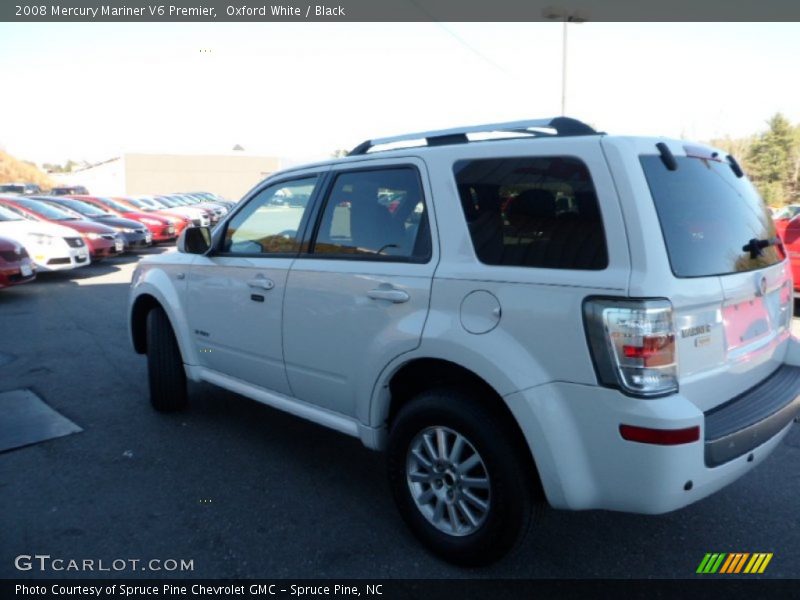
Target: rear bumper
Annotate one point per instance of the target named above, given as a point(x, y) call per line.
point(584, 463)
point(749, 420)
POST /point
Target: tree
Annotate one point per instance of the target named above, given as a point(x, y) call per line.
point(13, 170)
point(774, 161)
point(67, 167)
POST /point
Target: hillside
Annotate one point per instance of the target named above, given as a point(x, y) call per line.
point(15, 170)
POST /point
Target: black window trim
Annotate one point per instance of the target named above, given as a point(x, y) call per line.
point(219, 233)
point(307, 248)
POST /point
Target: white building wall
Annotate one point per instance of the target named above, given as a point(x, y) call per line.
point(104, 179)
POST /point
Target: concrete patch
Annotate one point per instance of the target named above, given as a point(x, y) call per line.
point(26, 419)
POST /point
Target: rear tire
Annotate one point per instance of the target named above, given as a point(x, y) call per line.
point(165, 373)
point(475, 504)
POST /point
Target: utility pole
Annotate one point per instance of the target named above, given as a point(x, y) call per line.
point(557, 13)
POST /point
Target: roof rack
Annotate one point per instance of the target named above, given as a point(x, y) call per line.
point(563, 126)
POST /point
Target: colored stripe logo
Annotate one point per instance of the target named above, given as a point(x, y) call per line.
point(734, 562)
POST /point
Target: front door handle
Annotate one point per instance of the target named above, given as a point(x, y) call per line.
point(261, 282)
point(392, 295)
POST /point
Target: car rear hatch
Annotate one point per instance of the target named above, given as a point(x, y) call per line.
point(731, 294)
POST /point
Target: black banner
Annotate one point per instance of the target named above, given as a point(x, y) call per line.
point(451, 589)
point(398, 10)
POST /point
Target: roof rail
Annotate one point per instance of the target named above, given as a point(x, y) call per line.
point(563, 126)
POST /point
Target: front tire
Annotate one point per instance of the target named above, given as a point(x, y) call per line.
point(165, 373)
point(459, 477)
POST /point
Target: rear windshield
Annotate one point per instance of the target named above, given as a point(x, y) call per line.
point(708, 216)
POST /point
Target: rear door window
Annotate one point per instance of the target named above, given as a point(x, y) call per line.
point(710, 218)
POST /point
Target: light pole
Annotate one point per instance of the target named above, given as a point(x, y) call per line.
point(556, 13)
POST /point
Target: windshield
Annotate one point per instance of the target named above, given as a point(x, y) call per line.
point(47, 211)
point(148, 205)
point(787, 212)
point(7, 215)
point(115, 205)
point(170, 202)
point(83, 208)
point(713, 222)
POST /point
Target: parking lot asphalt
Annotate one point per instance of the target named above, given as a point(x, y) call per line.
point(243, 490)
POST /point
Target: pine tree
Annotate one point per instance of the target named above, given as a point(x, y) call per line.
point(773, 161)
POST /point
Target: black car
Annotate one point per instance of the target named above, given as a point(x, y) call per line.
point(69, 190)
point(20, 188)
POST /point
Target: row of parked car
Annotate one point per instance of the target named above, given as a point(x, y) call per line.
point(57, 232)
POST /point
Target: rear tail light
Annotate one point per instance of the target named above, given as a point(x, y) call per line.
point(633, 345)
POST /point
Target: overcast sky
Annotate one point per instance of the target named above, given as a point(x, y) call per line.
point(91, 91)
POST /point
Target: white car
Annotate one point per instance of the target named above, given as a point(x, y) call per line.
point(217, 210)
point(52, 247)
point(198, 216)
point(557, 315)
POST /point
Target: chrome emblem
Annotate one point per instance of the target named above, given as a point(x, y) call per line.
point(761, 286)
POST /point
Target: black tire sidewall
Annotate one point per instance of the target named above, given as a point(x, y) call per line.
point(511, 483)
point(165, 370)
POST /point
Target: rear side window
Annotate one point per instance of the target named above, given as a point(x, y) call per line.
point(708, 216)
point(532, 212)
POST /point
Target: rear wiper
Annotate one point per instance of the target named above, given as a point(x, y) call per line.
point(756, 247)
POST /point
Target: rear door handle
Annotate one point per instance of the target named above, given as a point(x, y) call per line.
point(392, 295)
point(261, 282)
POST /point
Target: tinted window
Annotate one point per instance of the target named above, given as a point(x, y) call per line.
point(532, 212)
point(375, 214)
point(270, 222)
point(707, 216)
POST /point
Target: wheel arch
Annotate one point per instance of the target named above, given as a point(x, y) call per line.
point(143, 304)
point(420, 374)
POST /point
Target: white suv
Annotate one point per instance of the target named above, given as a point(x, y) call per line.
point(518, 313)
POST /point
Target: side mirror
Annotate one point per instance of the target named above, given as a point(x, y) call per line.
point(195, 240)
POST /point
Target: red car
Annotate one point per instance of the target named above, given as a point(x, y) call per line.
point(15, 265)
point(789, 232)
point(101, 241)
point(161, 228)
point(181, 222)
